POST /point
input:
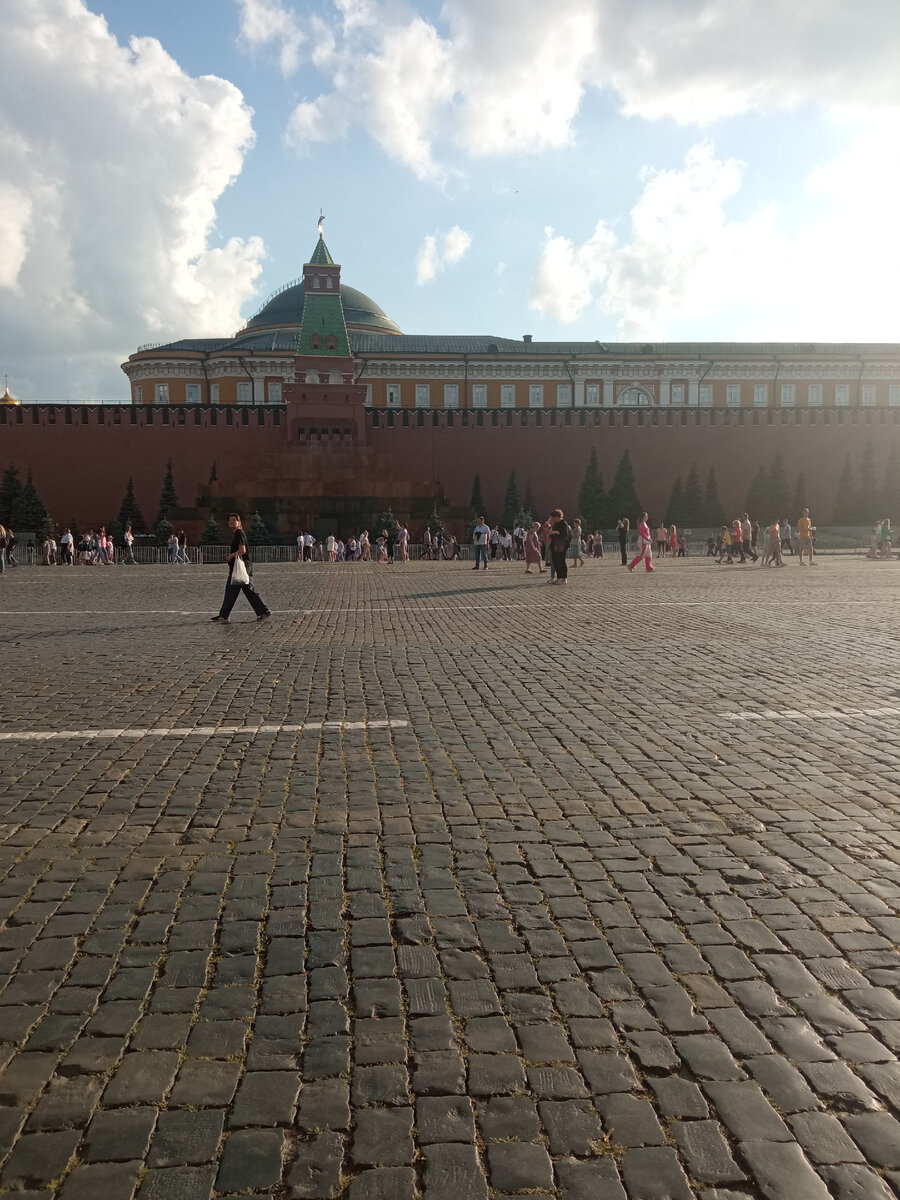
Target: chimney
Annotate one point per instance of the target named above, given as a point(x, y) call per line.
point(526, 337)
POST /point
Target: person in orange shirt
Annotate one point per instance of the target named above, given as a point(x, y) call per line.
point(804, 537)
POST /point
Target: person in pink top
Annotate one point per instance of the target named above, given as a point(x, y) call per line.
point(533, 555)
point(645, 546)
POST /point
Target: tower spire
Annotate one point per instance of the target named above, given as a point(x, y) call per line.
point(321, 225)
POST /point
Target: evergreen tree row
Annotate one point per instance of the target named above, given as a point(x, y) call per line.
point(21, 508)
point(860, 500)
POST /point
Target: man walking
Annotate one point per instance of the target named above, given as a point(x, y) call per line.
point(239, 552)
point(482, 533)
point(747, 536)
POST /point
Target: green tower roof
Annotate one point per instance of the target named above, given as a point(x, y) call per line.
point(321, 256)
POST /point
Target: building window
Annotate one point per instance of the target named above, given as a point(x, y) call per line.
point(274, 393)
point(677, 395)
point(329, 282)
point(760, 395)
point(536, 395)
point(317, 282)
point(138, 394)
point(479, 395)
point(868, 394)
point(214, 393)
point(507, 395)
point(192, 393)
point(814, 398)
point(733, 395)
point(894, 395)
point(592, 395)
point(368, 388)
point(393, 395)
point(331, 342)
point(245, 393)
point(842, 395)
point(161, 393)
point(451, 395)
point(564, 395)
point(788, 393)
point(706, 395)
point(423, 395)
point(315, 342)
point(635, 397)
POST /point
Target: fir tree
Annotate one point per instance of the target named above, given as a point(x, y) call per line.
point(675, 508)
point(435, 523)
point(867, 508)
point(10, 490)
point(259, 532)
point(168, 498)
point(29, 513)
point(758, 500)
point(212, 533)
point(890, 493)
point(798, 500)
point(510, 502)
point(623, 497)
point(693, 498)
point(592, 496)
point(524, 519)
point(162, 531)
point(476, 501)
point(844, 501)
point(386, 520)
point(778, 495)
point(713, 512)
point(116, 530)
point(528, 503)
point(130, 513)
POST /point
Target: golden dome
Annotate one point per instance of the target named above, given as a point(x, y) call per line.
point(6, 398)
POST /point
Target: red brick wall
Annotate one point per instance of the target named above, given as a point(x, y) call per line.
point(81, 469)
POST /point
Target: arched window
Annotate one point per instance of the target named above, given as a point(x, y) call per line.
point(315, 342)
point(331, 342)
point(634, 397)
point(317, 281)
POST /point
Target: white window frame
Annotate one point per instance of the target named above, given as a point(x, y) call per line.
point(214, 393)
point(274, 393)
point(423, 395)
point(814, 396)
point(894, 395)
point(393, 396)
point(676, 397)
point(705, 395)
point(451, 395)
point(564, 395)
point(592, 395)
point(192, 393)
point(161, 393)
point(732, 395)
point(138, 394)
point(760, 395)
point(244, 391)
point(788, 395)
point(536, 395)
point(507, 395)
point(867, 395)
point(842, 395)
point(479, 395)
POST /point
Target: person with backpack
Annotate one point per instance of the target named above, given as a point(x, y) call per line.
point(560, 539)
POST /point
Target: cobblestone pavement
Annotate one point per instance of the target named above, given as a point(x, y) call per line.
point(451, 887)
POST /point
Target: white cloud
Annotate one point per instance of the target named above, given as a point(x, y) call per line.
point(686, 270)
point(439, 251)
point(114, 160)
point(481, 81)
point(264, 22)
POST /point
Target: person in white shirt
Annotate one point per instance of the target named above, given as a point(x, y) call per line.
point(482, 533)
point(300, 547)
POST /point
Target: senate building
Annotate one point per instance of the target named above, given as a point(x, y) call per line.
point(321, 412)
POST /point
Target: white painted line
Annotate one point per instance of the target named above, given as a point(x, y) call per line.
point(51, 735)
point(811, 714)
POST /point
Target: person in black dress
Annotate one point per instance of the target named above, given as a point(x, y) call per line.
point(622, 529)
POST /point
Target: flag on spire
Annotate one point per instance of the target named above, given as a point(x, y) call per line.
point(321, 224)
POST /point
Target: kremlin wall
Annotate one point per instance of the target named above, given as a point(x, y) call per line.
point(320, 413)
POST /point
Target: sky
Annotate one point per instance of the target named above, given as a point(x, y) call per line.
point(621, 170)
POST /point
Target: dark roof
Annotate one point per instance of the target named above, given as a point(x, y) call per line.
point(376, 343)
point(286, 308)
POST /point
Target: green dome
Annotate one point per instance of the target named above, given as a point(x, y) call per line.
point(286, 308)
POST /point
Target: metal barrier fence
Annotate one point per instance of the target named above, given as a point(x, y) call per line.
point(838, 542)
